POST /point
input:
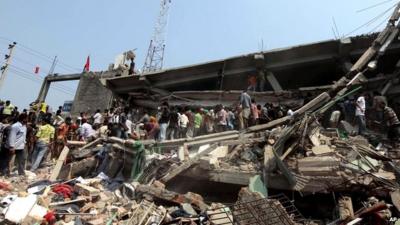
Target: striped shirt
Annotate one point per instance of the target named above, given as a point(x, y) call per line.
point(390, 116)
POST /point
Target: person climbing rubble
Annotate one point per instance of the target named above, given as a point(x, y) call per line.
point(390, 121)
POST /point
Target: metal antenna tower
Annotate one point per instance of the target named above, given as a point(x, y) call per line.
point(155, 55)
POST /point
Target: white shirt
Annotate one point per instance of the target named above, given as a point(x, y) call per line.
point(97, 118)
point(128, 124)
point(87, 131)
point(360, 106)
point(183, 120)
point(290, 112)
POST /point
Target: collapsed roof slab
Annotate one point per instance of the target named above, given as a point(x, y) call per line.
point(306, 65)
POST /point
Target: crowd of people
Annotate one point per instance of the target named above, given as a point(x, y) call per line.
point(29, 137)
point(369, 112)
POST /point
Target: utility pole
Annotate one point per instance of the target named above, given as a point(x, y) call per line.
point(155, 55)
point(4, 68)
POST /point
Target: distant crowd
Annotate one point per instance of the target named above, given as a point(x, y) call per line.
point(38, 133)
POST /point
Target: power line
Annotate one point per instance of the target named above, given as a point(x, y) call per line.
point(44, 75)
point(31, 64)
point(41, 73)
point(43, 56)
point(16, 72)
point(380, 24)
point(49, 60)
point(40, 79)
point(372, 20)
point(373, 6)
point(30, 73)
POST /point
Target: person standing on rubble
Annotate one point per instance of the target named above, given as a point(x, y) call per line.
point(198, 120)
point(152, 128)
point(173, 128)
point(58, 120)
point(164, 121)
point(45, 136)
point(183, 124)
point(97, 118)
point(190, 127)
point(360, 114)
point(87, 131)
point(16, 142)
point(391, 121)
point(4, 151)
point(254, 112)
point(62, 133)
point(230, 119)
point(245, 104)
point(222, 118)
point(264, 118)
point(208, 121)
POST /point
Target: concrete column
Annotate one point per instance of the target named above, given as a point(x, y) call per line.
point(273, 82)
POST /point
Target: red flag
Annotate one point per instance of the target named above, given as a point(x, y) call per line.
point(36, 70)
point(87, 65)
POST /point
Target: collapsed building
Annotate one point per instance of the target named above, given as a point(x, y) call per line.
point(293, 170)
point(292, 73)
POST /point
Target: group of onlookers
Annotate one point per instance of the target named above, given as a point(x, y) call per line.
point(370, 111)
point(39, 133)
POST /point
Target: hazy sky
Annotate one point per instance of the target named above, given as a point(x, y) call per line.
point(198, 31)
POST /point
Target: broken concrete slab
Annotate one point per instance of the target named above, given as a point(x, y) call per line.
point(322, 150)
point(322, 161)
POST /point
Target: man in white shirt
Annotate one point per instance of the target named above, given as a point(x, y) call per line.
point(87, 131)
point(97, 117)
point(360, 114)
point(183, 122)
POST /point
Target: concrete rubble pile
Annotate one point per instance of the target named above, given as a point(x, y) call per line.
point(292, 170)
point(115, 181)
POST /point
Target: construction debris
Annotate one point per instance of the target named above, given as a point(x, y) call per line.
point(294, 169)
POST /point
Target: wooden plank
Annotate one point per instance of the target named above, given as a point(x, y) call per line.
point(59, 164)
point(289, 150)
